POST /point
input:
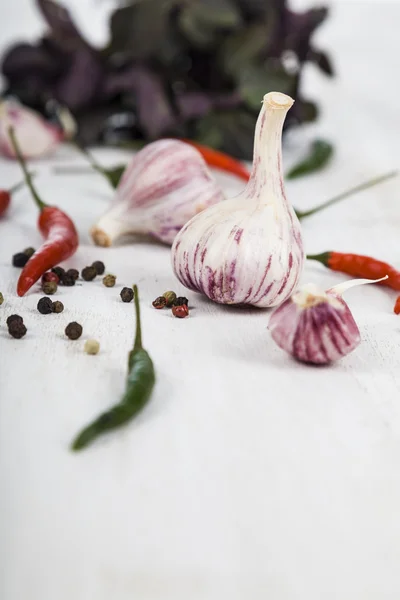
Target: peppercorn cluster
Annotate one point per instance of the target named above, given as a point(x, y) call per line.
point(179, 304)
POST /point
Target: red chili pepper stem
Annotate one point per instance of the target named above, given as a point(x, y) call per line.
point(28, 177)
point(358, 188)
point(18, 186)
point(93, 162)
point(323, 258)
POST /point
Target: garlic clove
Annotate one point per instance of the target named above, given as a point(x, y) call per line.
point(163, 187)
point(317, 326)
point(247, 250)
point(36, 136)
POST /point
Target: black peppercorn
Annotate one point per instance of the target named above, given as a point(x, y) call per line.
point(1, 298)
point(12, 318)
point(58, 306)
point(89, 273)
point(160, 302)
point(126, 294)
point(20, 259)
point(74, 273)
point(180, 301)
point(49, 287)
point(17, 329)
point(29, 252)
point(99, 266)
point(67, 280)
point(45, 306)
point(73, 330)
point(59, 271)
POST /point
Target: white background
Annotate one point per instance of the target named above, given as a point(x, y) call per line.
point(248, 476)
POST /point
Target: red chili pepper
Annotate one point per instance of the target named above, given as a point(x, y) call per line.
point(5, 196)
point(58, 229)
point(220, 160)
point(358, 265)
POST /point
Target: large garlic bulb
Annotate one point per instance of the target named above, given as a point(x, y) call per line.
point(247, 250)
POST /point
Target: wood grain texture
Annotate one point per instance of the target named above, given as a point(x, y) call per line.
point(248, 475)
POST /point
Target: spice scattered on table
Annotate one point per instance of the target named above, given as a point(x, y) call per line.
point(50, 276)
point(50, 287)
point(140, 383)
point(126, 294)
point(12, 318)
point(99, 266)
point(58, 229)
point(29, 251)
point(91, 347)
point(73, 330)
point(89, 273)
point(180, 301)
point(1, 298)
point(59, 271)
point(180, 311)
point(67, 279)
point(17, 329)
point(160, 302)
point(45, 306)
point(74, 273)
point(109, 280)
point(57, 306)
point(170, 298)
point(20, 259)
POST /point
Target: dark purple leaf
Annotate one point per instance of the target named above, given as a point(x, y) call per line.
point(322, 60)
point(23, 59)
point(193, 105)
point(299, 27)
point(61, 25)
point(81, 83)
point(156, 117)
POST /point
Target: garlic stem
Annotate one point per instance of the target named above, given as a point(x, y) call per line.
point(342, 196)
point(267, 175)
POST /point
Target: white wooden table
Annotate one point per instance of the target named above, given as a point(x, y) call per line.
point(248, 476)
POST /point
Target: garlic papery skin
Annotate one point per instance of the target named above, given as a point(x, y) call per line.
point(162, 188)
point(247, 250)
point(36, 136)
point(317, 327)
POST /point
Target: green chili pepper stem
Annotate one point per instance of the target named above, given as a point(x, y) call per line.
point(27, 176)
point(323, 258)
point(95, 165)
point(358, 188)
point(138, 335)
point(18, 186)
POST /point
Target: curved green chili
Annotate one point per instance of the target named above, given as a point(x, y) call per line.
point(320, 154)
point(139, 385)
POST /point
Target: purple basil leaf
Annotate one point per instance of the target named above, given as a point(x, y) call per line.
point(23, 59)
point(193, 105)
point(155, 114)
point(300, 26)
point(322, 60)
point(61, 25)
point(81, 83)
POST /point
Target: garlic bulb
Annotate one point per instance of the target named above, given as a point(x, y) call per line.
point(165, 185)
point(247, 250)
point(36, 136)
point(315, 326)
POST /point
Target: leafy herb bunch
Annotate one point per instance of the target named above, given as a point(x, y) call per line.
point(189, 68)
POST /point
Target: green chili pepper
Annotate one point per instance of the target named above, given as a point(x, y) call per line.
point(318, 157)
point(141, 380)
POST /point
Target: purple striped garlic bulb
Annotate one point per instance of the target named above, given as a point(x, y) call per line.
point(317, 327)
point(249, 249)
point(36, 136)
point(164, 185)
